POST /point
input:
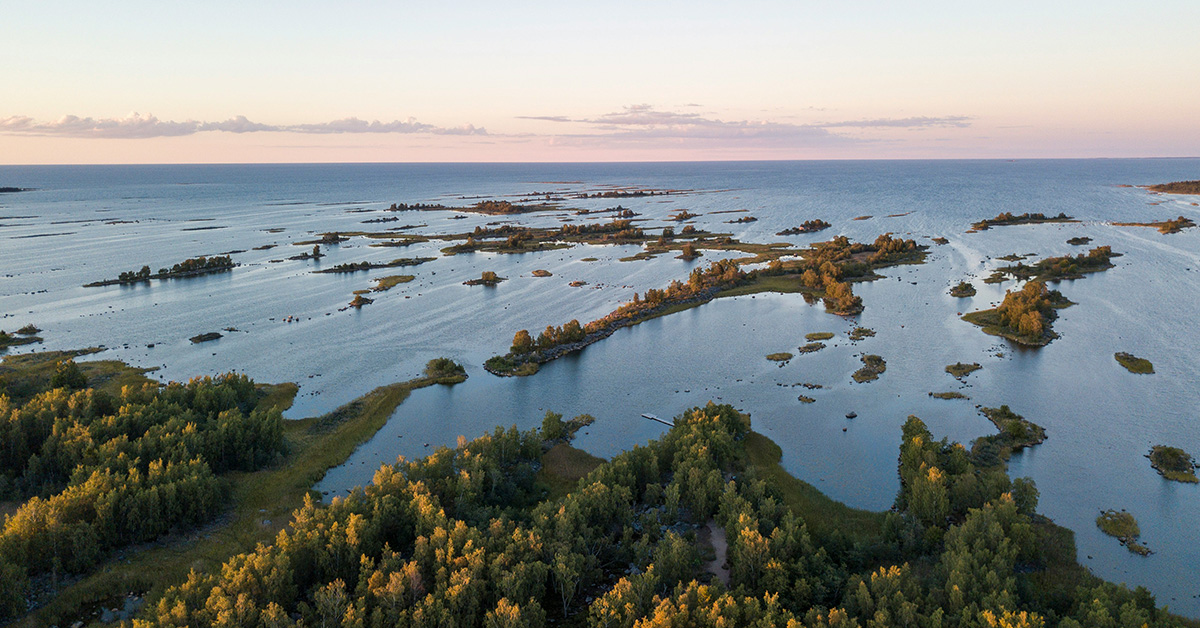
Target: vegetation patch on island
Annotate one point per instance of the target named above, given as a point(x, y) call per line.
point(354, 267)
point(1134, 364)
point(1004, 219)
point(192, 267)
point(782, 356)
point(962, 369)
point(1174, 225)
point(1016, 431)
point(811, 347)
point(1173, 463)
point(858, 333)
point(488, 278)
point(808, 226)
point(383, 284)
point(948, 395)
point(962, 290)
point(818, 335)
point(1055, 269)
point(23, 336)
point(1025, 316)
point(1176, 187)
point(1079, 241)
point(1124, 526)
point(873, 367)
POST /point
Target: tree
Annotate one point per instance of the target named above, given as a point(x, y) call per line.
point(522, 342)
point(552, 426)
point(68, 375)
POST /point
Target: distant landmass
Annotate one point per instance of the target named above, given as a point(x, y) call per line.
point(1177, 187)
point(5, 190)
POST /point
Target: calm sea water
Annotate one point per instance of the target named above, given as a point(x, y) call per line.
point(82, 224)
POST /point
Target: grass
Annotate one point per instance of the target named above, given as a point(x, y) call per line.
point(873, 367)
point(772, 283)
point(562, 468)
point(261, 503)
point(1173, 463)
point(822, 515)
point(818, 335)
point(23, 376)
point(384, 284)
point(782, 356)
point(1134, 364)
point(962, 369)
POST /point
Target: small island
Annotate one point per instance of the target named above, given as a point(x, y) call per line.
point(1134, 364)
point(782, 356)
point(818, 335)
point(873, 367)
point(1173, 463)
point(948, 395)
point(1125, 527)
point(742, 220)
point(1004, 219)
point(24, 336)
point(542, 273)
point(383, 284)
point(962, 290)
point(858, 333)
point(12, 190)
point(811, 347)
point(205, 337)
point(1176, 187)
point(1024, 317)
point(1166, 227)
point(961, 369)
point(488, 278)
point(192, 267)
point(808, 226)
point(1054, 269)
point(1079, 241)
point(1017, 431)
point(353, 267)
point(358, 301)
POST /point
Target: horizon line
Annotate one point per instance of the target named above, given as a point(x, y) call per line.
point(587, 162)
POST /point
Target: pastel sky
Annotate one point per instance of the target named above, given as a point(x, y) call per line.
point(359, 81)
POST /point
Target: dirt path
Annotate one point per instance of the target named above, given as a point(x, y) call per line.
point(715, 536)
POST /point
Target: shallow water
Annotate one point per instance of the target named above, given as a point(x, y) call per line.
point(1100, 419)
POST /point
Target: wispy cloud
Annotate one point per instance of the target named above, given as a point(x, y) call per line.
point(137, 126)
point(903, 123)
point(645, 122)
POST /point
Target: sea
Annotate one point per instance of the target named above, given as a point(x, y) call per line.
point(282, 322)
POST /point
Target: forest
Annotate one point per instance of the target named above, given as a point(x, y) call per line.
point(473, 536)
point(95, 471)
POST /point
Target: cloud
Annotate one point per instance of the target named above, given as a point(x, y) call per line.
point(643, 122)
point(903, 123)
point(137, 126)
point(546, 118)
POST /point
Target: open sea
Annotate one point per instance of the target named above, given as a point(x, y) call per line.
point(80, 224)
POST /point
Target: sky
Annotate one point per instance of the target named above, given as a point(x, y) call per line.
point(299, 81)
